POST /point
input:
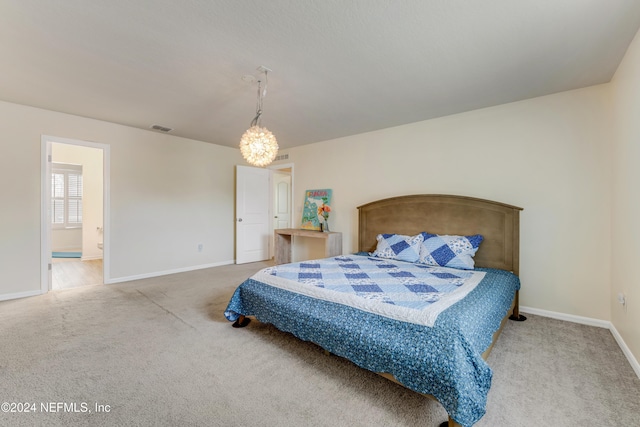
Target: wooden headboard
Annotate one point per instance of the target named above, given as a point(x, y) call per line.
point(498, 223)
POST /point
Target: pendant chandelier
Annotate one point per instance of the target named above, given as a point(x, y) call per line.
point(258, 145)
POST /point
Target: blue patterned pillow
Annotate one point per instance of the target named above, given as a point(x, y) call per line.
point(398, 247)
point(449, 251)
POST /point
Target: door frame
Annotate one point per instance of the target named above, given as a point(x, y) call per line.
point(291, 197)
point(45, 204)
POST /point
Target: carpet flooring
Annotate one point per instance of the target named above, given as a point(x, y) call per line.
point(158, 352)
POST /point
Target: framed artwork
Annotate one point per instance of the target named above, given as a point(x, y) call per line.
point(316, 209)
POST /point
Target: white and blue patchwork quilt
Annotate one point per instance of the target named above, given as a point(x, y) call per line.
point(443, 360)
point(398, 290)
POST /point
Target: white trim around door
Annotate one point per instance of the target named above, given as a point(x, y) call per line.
point(45, 223)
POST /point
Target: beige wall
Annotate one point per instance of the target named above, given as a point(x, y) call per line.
point(167, 195)
point(625, 88)
point(549, 155)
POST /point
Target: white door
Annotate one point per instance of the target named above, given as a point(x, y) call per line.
point(281, 199)
point(253, 213)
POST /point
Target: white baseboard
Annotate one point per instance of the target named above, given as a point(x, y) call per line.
point(590, 322)
point(166, 272)
point(568, 317)
point(17, 295)
point(67, 249)
point(90, 258)
point(632, 360)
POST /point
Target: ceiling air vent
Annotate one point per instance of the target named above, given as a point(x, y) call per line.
point(282, 157)
point(161, 128)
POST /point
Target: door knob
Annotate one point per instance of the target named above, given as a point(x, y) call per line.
point(239, 219)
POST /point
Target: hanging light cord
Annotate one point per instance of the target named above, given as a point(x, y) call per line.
point(258, 145)
point(261, 94)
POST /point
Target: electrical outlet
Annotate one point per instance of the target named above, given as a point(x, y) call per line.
point(199, 247)
point(621, 298)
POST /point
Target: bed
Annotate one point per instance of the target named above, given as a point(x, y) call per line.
point(440, 355)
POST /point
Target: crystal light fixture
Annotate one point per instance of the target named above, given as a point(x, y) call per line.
point(258, 145)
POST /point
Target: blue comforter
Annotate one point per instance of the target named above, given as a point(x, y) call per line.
point(443, 360)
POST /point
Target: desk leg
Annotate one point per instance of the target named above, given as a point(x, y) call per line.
point(283, 248)
point(333, 245)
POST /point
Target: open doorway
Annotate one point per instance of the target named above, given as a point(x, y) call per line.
point(282, 199)
point(264, 200)
point(74, 176)
point(282, 215)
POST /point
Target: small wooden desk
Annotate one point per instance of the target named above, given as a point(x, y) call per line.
point(283, 236)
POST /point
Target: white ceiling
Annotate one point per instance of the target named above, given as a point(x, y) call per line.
point(340, 67)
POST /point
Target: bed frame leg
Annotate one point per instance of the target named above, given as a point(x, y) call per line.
point(516, 310)
point(241, 322)
point(449, 423)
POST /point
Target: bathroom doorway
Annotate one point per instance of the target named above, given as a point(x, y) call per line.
point(74, 197)
point(281, 199)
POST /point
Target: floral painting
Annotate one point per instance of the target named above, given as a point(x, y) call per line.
point(316, 210)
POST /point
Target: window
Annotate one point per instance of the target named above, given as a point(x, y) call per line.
point(66, 195)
